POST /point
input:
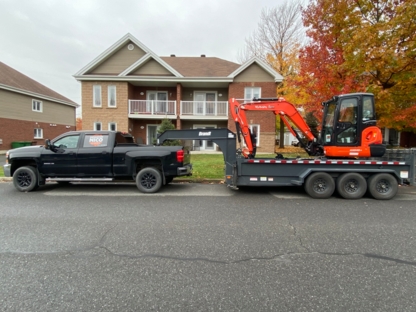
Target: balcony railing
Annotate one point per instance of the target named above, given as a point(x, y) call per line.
point(204, 108)
point(146, 107)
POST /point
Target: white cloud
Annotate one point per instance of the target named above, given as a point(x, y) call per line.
point(50, 40)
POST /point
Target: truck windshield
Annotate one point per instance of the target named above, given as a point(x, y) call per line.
point(328, 122)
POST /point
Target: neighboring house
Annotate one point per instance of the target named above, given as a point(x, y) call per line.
point(129, 88)
point(29, 111)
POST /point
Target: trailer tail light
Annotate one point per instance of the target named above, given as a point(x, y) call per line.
point(179, 156)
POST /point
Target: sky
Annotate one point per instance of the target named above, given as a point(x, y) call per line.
point(51, 40)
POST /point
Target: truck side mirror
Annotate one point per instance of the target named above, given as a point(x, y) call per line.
point(47, 144)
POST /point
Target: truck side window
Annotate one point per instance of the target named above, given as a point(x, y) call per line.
point(67, 142)
point(95, 140)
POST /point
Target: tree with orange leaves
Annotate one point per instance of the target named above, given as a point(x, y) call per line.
point(362, 45)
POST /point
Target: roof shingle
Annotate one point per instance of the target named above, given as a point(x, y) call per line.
point(201, 66)
point(12, 78)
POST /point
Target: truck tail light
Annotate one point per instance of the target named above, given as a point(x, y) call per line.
point(7, 157)
point(179, 156)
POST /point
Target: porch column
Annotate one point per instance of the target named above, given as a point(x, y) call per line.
point(178, 105)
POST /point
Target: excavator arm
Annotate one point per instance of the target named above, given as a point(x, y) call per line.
point(287, 112)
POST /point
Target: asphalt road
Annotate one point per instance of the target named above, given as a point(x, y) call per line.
point(195, 247)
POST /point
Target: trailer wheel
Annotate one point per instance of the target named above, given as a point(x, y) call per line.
point(320, 185)
point(382, 186)
point(149, 180)
point(25, 179)
point(351, 185)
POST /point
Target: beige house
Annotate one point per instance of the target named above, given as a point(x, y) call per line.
point(129, 88)
point(31, 112)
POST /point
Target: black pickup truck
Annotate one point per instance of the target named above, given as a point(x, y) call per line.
point(96, 156)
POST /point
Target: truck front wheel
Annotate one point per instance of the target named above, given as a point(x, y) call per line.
point(149, 180)
point(320, 185)
point(382, 186)
point(25, 179)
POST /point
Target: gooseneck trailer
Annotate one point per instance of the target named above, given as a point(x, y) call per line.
point(320, 176)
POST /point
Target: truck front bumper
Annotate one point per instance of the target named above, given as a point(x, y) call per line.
point(7, 170)
point(185, 170)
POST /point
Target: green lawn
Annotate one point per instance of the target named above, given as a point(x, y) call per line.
point(209, 166)
point(1, 171)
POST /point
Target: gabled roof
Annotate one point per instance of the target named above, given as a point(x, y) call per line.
point(12, 80)
point(266, 67)
point(180, 68)
point(127, 38)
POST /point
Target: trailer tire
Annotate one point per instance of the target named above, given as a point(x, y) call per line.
point(25, 179)
point(382, 186)
point(320, 185)
point(149, 180)
point(351, 185)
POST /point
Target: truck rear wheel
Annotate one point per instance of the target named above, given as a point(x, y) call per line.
point(382, 186)
point(320, 185)
point(351, 185)
point(25, 179)
point(149, 180)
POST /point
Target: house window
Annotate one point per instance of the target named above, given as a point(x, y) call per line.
point(251, 93)
point(112, 96)
point(112, 126)
point(97, 126)
point(38, 133)
point(96, 96)
point(255, 129)
point(36, 106)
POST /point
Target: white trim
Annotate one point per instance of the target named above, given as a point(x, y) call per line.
point(93, 96)
point(110, 50)
point(147, 132)
point(98, 123)
point(37, 95)
point(40, 110)
point(152, 78)
point(115, 96)
point(36, 132)
point(277, 77)
point(144, 59)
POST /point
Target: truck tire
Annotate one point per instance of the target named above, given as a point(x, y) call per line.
point(351, 185)
point(25, 179)
point(149, 180)
point(320, 185)
point(382, 186)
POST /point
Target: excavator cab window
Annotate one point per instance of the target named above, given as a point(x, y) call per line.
point(346, 128)
point(328, 122)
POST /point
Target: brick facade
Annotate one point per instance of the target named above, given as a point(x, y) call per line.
point(266, 120)
point(105, 114)
point(12, 130)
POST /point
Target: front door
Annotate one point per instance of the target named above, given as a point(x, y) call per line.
point(205, 145)
point(64, 162)
point(151, 134)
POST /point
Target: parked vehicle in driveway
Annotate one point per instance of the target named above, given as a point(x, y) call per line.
point(96, 156)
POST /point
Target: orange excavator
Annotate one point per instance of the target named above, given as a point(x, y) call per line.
point(348, 128)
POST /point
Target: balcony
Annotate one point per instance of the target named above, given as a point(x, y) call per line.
point(143, 109)
point(152, 109)
point(204, 110)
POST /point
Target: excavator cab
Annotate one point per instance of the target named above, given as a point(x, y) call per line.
point(349, 127)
